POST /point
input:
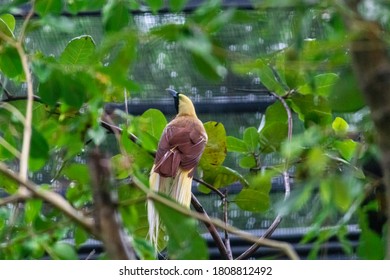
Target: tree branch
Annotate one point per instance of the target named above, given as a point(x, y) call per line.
point(211, 187)
point(107, 221)
point(211, 228)
point(52, 198)
point(27, 132)
point(282, 246)
point(11, 199)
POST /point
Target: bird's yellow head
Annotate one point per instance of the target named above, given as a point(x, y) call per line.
point(183, 104)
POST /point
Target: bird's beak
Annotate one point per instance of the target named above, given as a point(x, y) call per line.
point(174, 93)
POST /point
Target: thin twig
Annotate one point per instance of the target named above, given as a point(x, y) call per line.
point(225, 219)
point(209, 186)
point(289, 114)
point(11, 199)
point(285, 247)
point(27, 132)
point(211, 228)
point(126, 107)
point(26, 22)
point(22, 97)
point(6, 92)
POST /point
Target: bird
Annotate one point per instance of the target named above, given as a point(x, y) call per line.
point(178, 153)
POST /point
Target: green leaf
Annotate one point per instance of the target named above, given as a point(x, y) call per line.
point(346, 148)
point(248, 161)
point(340, 126)
point(170, 32)
point(154, 122)
point(342, 194)
point(115, 16)
point(251, 139)
point(68, 87)
point(80, 236)
point(9, 20)
point(61, 24)
point(252, 200)
point(316, 161)
point(144, 250)
point(272, 135)
point(78, 195)
point(121, 48)
point(141, 159)
point(149, 127)
point(215, 152)
point(264, 71)
point(220, 20)
point(322, 85)
point(262, 181)
point(325, 192)
point(76, 6)
point(5, 28)
point(177, 5)
point(155, 5)
point(234, 144)
point(50, 90)
point(10, 63)
point(371, 246)
point(346, 95)
point(77, 172)
point(32, 209)
point(39, 145)
point(79, 51)
point(45, 7)
point(185, 243)
point(276, 113)
point(312, 109)
point(221, 176)
point(121, 166)
point(64, 251)
point(8, 185)
point(208, 66)
point(73, 91)
point(255, 197)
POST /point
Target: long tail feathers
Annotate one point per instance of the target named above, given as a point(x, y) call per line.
point(178, 188)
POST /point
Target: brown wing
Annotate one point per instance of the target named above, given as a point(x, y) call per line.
point(181, 145)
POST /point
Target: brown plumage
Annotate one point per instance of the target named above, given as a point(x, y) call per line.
point(178, 153)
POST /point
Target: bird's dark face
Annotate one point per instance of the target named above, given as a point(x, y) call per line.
point(175, 96)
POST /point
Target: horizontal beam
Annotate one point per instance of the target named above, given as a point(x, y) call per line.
point(216, 105)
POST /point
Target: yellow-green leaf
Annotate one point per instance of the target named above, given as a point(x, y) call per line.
point(340, 126)
point(215, 151)
point(9, 20)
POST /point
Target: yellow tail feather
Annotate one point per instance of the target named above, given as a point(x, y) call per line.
point(178, 188)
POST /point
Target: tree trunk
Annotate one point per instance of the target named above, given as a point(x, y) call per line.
point(372, 67)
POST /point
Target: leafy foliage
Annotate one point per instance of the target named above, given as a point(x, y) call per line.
point(311, 78)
